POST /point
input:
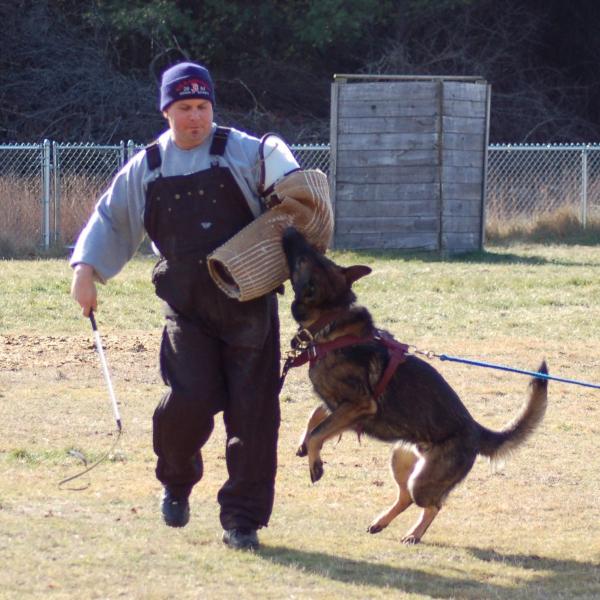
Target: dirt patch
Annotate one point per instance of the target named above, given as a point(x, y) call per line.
point(131, 356)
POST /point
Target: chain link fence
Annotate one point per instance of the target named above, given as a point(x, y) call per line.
point(47, 191)
point(528, 181)
point(80, 175)
point(24, 195)
point(314, 156)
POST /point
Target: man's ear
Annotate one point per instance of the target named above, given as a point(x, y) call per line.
point(355, 272)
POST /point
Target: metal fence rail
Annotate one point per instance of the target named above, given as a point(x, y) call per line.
point(48, 190)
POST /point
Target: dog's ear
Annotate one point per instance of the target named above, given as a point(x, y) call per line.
point(355, 272)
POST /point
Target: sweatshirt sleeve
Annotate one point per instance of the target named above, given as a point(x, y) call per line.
point(116, 228)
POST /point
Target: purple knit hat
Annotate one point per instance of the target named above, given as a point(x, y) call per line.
point(183, 81)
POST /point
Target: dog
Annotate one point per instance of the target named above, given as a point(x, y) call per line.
point(408, 403)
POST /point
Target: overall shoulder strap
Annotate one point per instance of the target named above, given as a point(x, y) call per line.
point(219, 141)
point(153, 157)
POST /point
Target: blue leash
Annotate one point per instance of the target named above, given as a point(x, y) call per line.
point(479, 363)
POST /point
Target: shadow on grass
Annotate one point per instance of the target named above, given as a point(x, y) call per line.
point(591, 238)
point(491, 257)
point(583, 575)
point(409, 580)
point(356, 572)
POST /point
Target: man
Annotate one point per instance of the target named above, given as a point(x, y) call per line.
point(190, 192)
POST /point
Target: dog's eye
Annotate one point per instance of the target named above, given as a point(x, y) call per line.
point(309, 290)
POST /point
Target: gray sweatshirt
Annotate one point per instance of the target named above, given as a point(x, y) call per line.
point(116, 227)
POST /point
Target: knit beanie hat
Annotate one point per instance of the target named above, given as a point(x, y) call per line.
point(183, 81)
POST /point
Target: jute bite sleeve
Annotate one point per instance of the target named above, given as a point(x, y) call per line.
point(252, 263)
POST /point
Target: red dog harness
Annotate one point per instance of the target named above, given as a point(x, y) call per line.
point(314, 352)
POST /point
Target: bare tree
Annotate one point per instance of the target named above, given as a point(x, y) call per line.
point(502, 42)
point(56, 83)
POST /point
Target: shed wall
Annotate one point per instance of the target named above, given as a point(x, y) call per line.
point(407, 164)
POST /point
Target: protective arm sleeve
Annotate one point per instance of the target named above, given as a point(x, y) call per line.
point(252, 262)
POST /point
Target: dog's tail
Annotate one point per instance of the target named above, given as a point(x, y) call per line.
point(497, 444)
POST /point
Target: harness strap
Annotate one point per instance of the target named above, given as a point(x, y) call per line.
point(316, 352)
point(217, 148)
point(219, 141)
point(153, 157)
point(397, 354)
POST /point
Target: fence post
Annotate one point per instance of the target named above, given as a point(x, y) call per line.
point(584, 186)
point(46, 151)
point(130, 150)
point(56, 169)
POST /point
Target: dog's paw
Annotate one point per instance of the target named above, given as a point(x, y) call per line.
point(302, 450)
point(410, 540)
point(316, 471)
point(375, 528)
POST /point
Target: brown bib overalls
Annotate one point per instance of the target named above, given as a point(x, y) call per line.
point(217, 354)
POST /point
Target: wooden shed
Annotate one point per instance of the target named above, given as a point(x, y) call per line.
point(408, 161)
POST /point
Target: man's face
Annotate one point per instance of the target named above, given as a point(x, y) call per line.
point(190, 121)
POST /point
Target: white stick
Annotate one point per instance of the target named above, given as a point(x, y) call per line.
point(111, 391)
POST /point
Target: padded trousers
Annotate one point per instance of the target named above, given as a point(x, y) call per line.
point(231, 367)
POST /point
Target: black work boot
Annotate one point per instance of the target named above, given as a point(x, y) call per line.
point(241, 538)
point(175, 509)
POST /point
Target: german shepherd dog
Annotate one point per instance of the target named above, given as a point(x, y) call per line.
point(436, 439)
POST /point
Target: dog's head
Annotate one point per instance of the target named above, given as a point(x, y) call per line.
point(319, 284)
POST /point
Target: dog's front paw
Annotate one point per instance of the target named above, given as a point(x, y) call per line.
point(316, 471)
point(302, 450)
point(375, 528)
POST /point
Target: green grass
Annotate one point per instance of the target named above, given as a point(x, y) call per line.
point(531, 530)
point(524, 286)
point(40, 301)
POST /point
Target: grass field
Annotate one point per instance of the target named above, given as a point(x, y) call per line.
point(530, 530)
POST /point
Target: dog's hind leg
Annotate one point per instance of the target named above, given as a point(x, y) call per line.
point(402, 463)
point(437, 471)
point(317, 416)
point(415, 533)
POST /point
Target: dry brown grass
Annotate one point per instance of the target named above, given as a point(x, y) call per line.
point(21, 226)
point(531, 530)
point(21, 222)
point(561, 225)
point(79, 195)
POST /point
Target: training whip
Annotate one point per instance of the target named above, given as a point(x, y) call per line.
point(111, 391)
point(115, 406)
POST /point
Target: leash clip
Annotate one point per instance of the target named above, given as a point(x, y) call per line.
point(299, 346)
point(302, 339)
point(426, 353)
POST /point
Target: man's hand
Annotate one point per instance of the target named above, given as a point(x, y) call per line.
point(83, 288)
